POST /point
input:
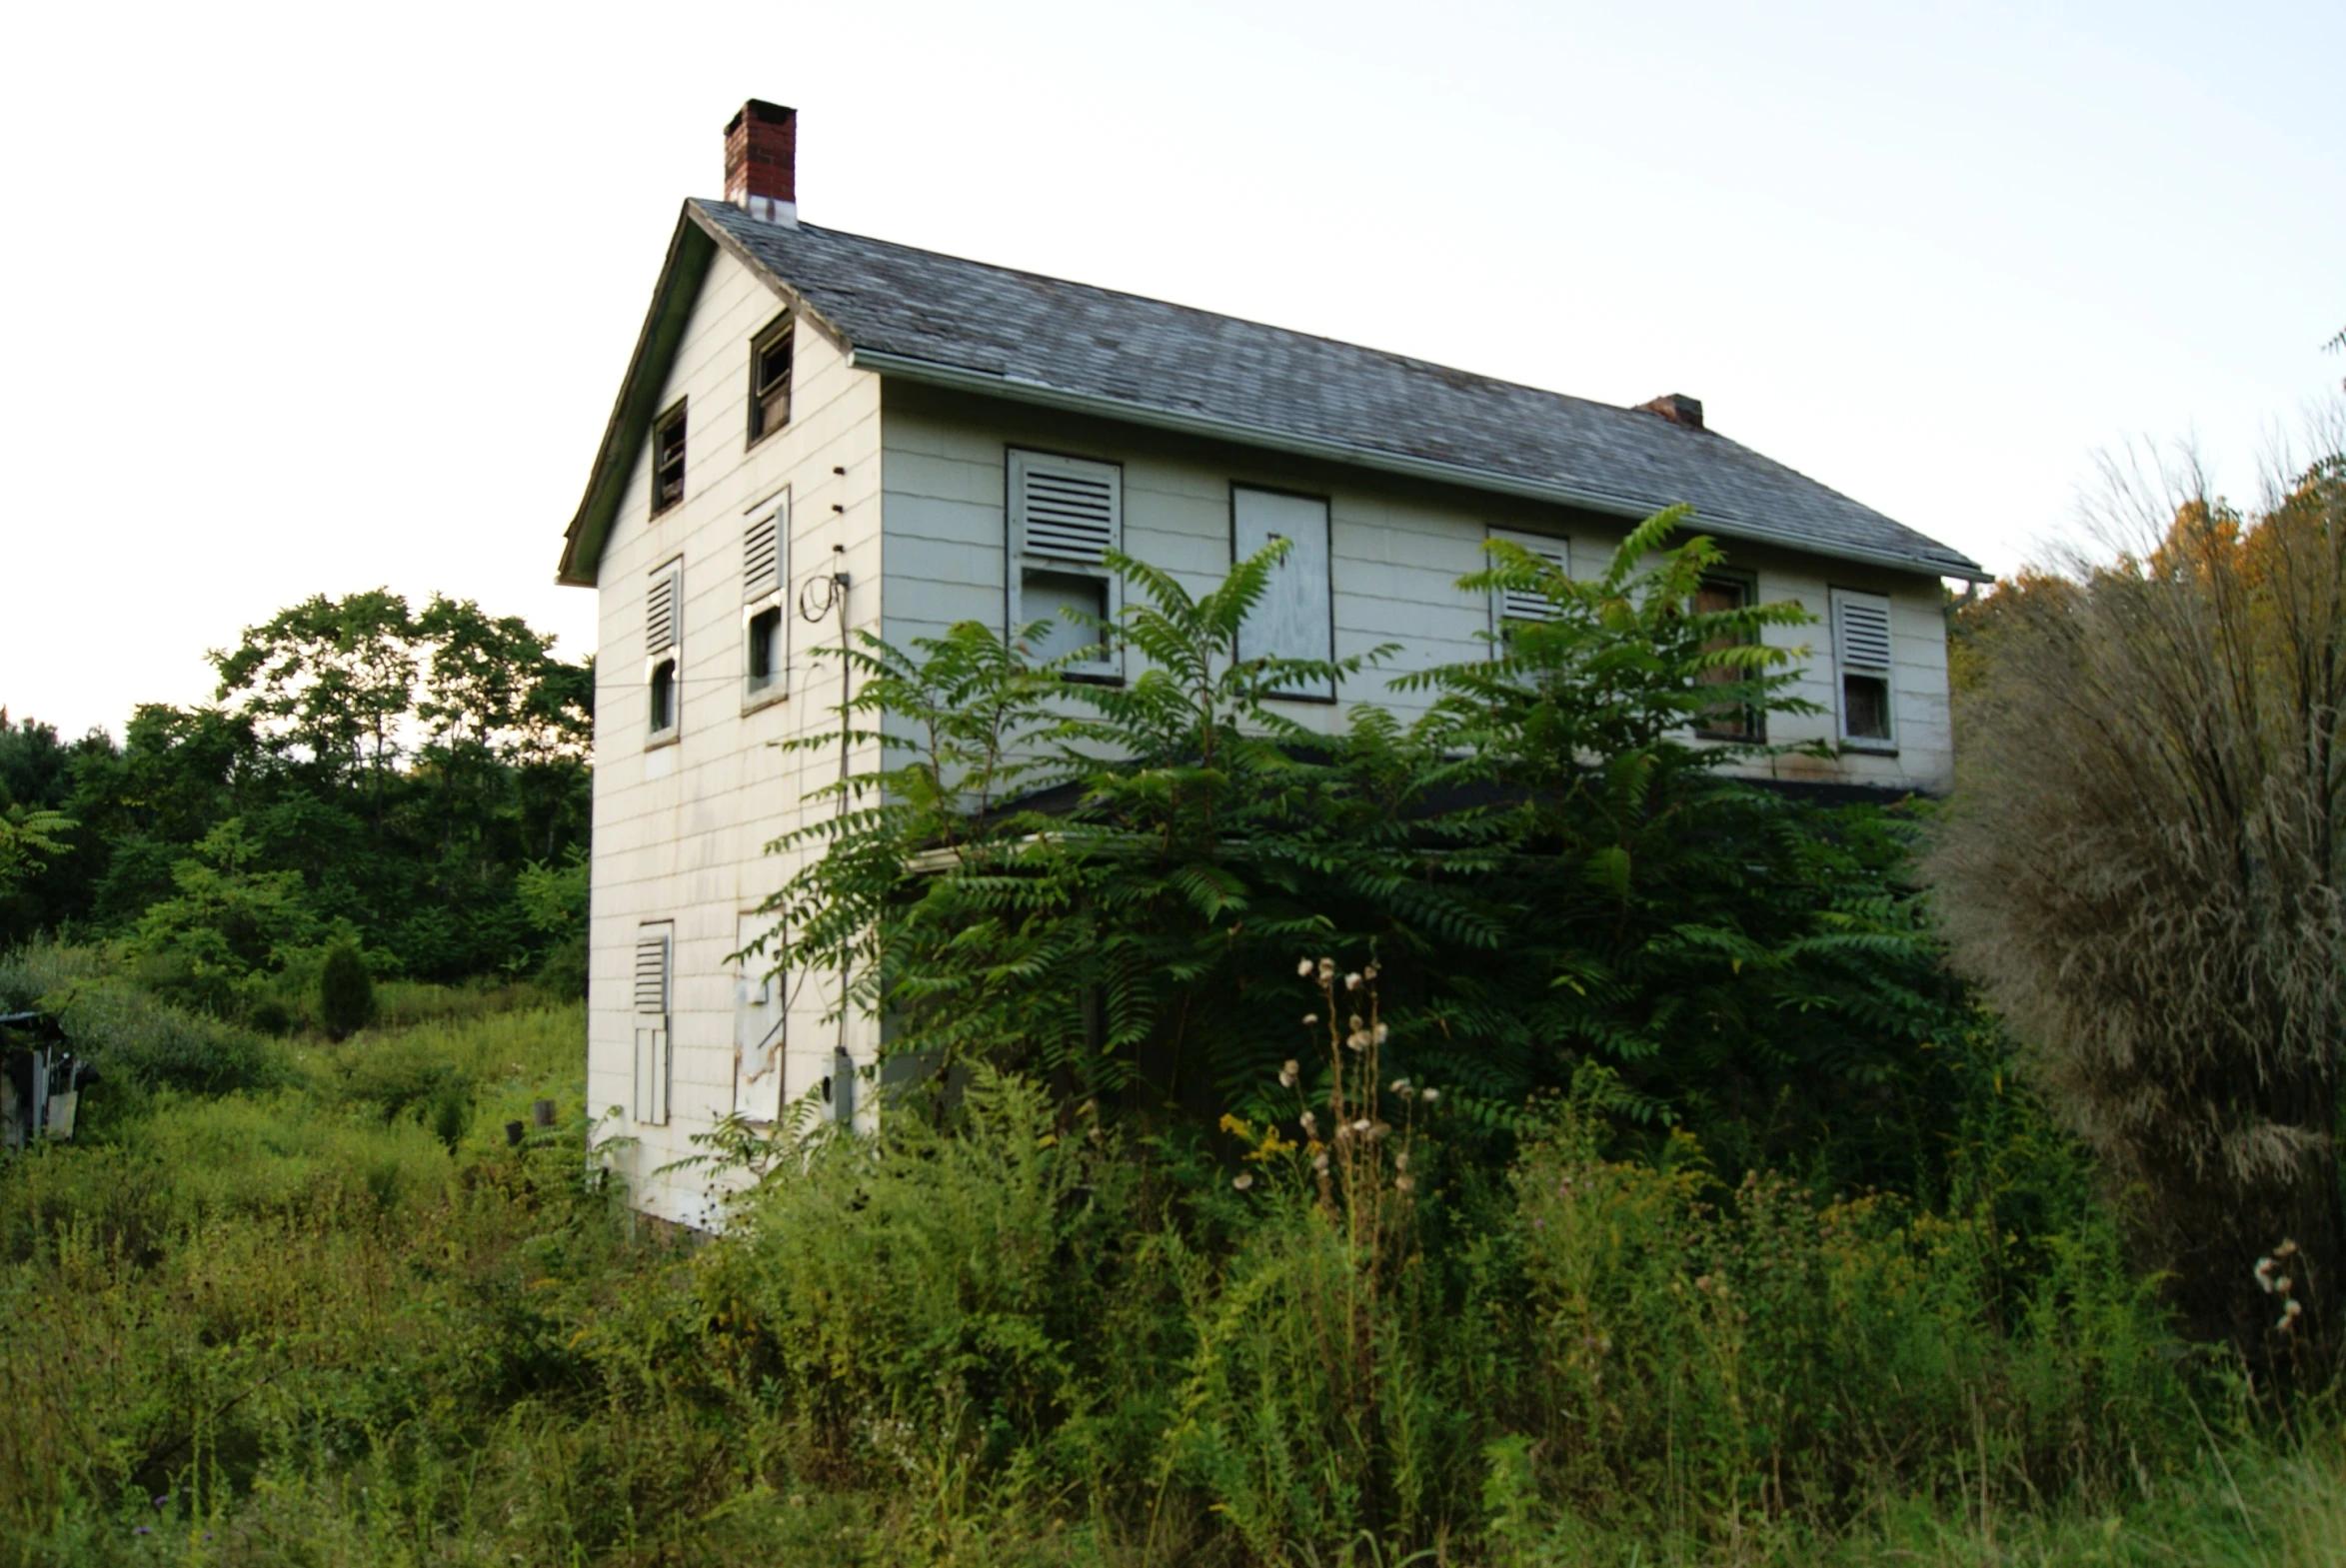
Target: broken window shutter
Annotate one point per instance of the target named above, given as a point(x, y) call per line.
point(1066, 509)
point(664, 611)
point(762, 557)
point(1861, 631)
point(1521, 603)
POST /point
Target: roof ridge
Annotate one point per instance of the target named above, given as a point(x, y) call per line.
point(735, 215)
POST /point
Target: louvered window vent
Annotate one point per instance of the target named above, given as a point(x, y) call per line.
point(652, 973)
point(762, 558)
point(1865, 632)
point(661, 610)
point(1066, 509)
point(1526, 604)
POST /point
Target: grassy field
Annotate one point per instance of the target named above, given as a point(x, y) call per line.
point(326, 1316)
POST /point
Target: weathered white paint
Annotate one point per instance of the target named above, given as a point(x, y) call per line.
point(680, 828)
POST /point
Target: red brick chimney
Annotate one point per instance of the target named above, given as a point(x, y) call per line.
point(1677, 408)
point(762, 161)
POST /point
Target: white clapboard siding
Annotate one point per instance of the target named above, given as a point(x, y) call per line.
point(1296, 618)
point(1066, 509)
point(1517, 603)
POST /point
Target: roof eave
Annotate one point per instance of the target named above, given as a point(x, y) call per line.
point(937, 374)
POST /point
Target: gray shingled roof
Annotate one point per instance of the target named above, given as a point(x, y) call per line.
point(1095, 346)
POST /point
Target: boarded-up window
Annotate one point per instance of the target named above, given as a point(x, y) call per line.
point(1296, 618)
point(1066, 515)
point(651, 1066)
point(1526, 604)
point(1862, 649)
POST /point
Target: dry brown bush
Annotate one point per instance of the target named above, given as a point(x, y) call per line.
point(2144, 866)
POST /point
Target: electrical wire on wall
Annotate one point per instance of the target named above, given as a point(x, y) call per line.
point(820, 596)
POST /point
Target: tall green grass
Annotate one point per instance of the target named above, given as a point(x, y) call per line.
point(332, 1319)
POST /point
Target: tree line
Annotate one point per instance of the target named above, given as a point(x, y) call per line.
point(412, 783)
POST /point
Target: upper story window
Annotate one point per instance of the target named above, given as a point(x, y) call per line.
point(1295, 617)
point(1066, 515)
point(668, 459)
point(1508, 605)
point(770, 359)
point(1728, 721)
point(664, 651)
point(1861, 649)
point(765, 568)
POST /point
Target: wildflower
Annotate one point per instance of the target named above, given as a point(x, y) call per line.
point(1242, 1180)
point(1309, 1020)
point(1362, 1126)
point(1378, 1131)
point(2289, 1313)
point(1353, 980)
point(1344, 1134)
point(1289, 1073)
point(1405, 1184)
point(1401, 1085)
point(1303, 968)
point(2264, 1274)
point(1319, 1163)
point(1431, 1096)
point(142, 1530)
point(1368, 971)
point(164, 1501)
point(1401, 1161)
point(2281, 1285)
point(1702, 1283)
point(1357, 1040)
point(1311, 1123)
point(2285, 1250)
point(1326, 971)
point(1381, 1031)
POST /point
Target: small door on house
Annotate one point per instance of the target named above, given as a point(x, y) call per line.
point(758, 1032)
point(653, 945)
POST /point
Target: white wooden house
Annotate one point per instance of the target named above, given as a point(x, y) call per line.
point(819, 429)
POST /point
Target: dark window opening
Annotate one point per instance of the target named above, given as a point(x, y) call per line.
point(1726, 720)
point(770, 360)
point(1081, 636)
point(1865, 706)
point(764, 649)
point(663, 713)
point(668, 459)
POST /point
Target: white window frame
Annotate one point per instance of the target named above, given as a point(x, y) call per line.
point(671, 652)
point(772, 594)
point(1553, 546)
point(1865, 659)
point(1021, 465)
point(653, 989)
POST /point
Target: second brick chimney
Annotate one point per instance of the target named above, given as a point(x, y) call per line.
point(1677, 408)
point(762, 161)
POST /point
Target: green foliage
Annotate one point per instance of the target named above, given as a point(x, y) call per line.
point(1003, 1332)
point(346, 991)
point(1107, 883)
point(375, 771)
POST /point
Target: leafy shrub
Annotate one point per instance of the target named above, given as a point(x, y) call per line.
point(346, 993)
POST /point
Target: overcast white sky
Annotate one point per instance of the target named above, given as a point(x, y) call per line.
point(317, 298)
